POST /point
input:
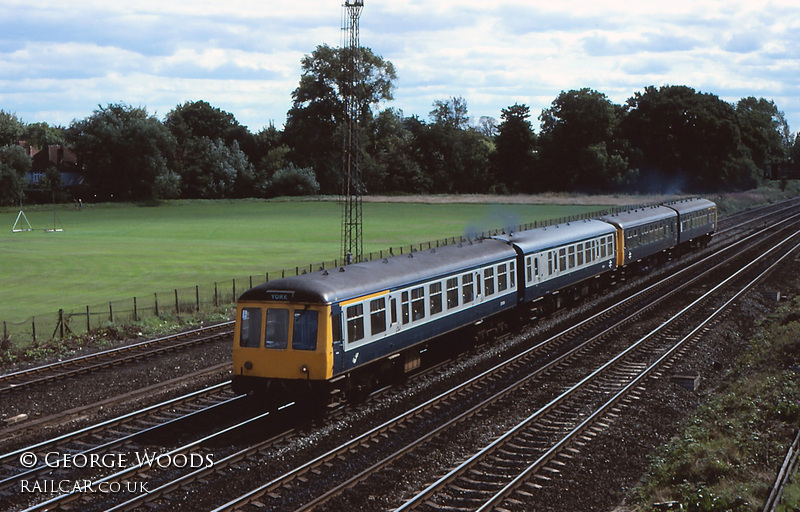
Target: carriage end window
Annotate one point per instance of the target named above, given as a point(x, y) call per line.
point(276, 334)
point(304, 332)
point(250, 328)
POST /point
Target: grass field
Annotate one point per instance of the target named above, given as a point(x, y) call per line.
point(109, 251)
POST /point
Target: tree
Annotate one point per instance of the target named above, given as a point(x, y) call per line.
point(764, 130)
point(513, 159)
point(389, 162)
point(11, 128)
point(315, 122)
point(212, 170)
point(125, 153)
point(451, 113)
point(14, 165)
point(684, 140)
point(579, 145)
point(452, 155)
point(40, 135)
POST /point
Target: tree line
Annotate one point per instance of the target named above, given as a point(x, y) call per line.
point(662, 139)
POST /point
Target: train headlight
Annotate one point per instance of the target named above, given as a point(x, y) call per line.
point(248, 365)
point(304, 368)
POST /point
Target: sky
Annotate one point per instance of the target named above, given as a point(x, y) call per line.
point(60, 61)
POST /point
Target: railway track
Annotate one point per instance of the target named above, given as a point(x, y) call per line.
point(169, 482)
point(532, 447)
point(113, 436)
point(24, 379)
point(276, 491)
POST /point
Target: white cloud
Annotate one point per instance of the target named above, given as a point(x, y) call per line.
point(243, 56)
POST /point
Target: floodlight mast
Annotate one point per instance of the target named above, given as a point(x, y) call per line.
point(352, 234)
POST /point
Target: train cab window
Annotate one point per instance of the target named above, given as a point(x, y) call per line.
point(404, 306)
point(467, 290)
point(436, 298)
point(250, 328)
point(377, 316)
point(488, 281)
point(502, 278)
point(355, 323)
point(304, 332)
point(417, 303)
point(276, 334)
point(452, 293)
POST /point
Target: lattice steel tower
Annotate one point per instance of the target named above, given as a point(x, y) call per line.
point(352, 239)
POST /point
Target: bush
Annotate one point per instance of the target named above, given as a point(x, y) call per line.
point(291, 181)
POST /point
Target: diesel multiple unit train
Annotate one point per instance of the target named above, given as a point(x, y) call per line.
point(341, 329)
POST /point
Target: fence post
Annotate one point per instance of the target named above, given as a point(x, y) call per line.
point(216, 295)
point(197, 296)
point(88, 320)
point(156, 300)
point(177, 307)
point(110, 312)
point(135, 311)
point(234, 290)
point(5, 330)
point(33, 325)
point(61, 324)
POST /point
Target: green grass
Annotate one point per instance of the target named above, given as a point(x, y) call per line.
point(111, 252)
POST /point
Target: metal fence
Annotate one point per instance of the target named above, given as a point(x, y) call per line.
point(209, 297)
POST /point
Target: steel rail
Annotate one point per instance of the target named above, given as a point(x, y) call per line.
point(273, 484)
point(432, 489)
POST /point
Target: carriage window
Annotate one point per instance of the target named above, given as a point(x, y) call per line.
point(436, 298)
point(467, 291)
point(277, 332)
point(377, 316)
point(355, 323)
point(404, 307)
point(562, 259)
point(580, 254)
point(488, 281)
point(536, 266)
point(304, 333)
point(589, 252)
point(394, 311)
point(336, 327)
point(250, 328)
point(502, 278)
point(528, 268)
point(452, 293)
point(549, 263)
point(512, 272)
point(418, 303)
